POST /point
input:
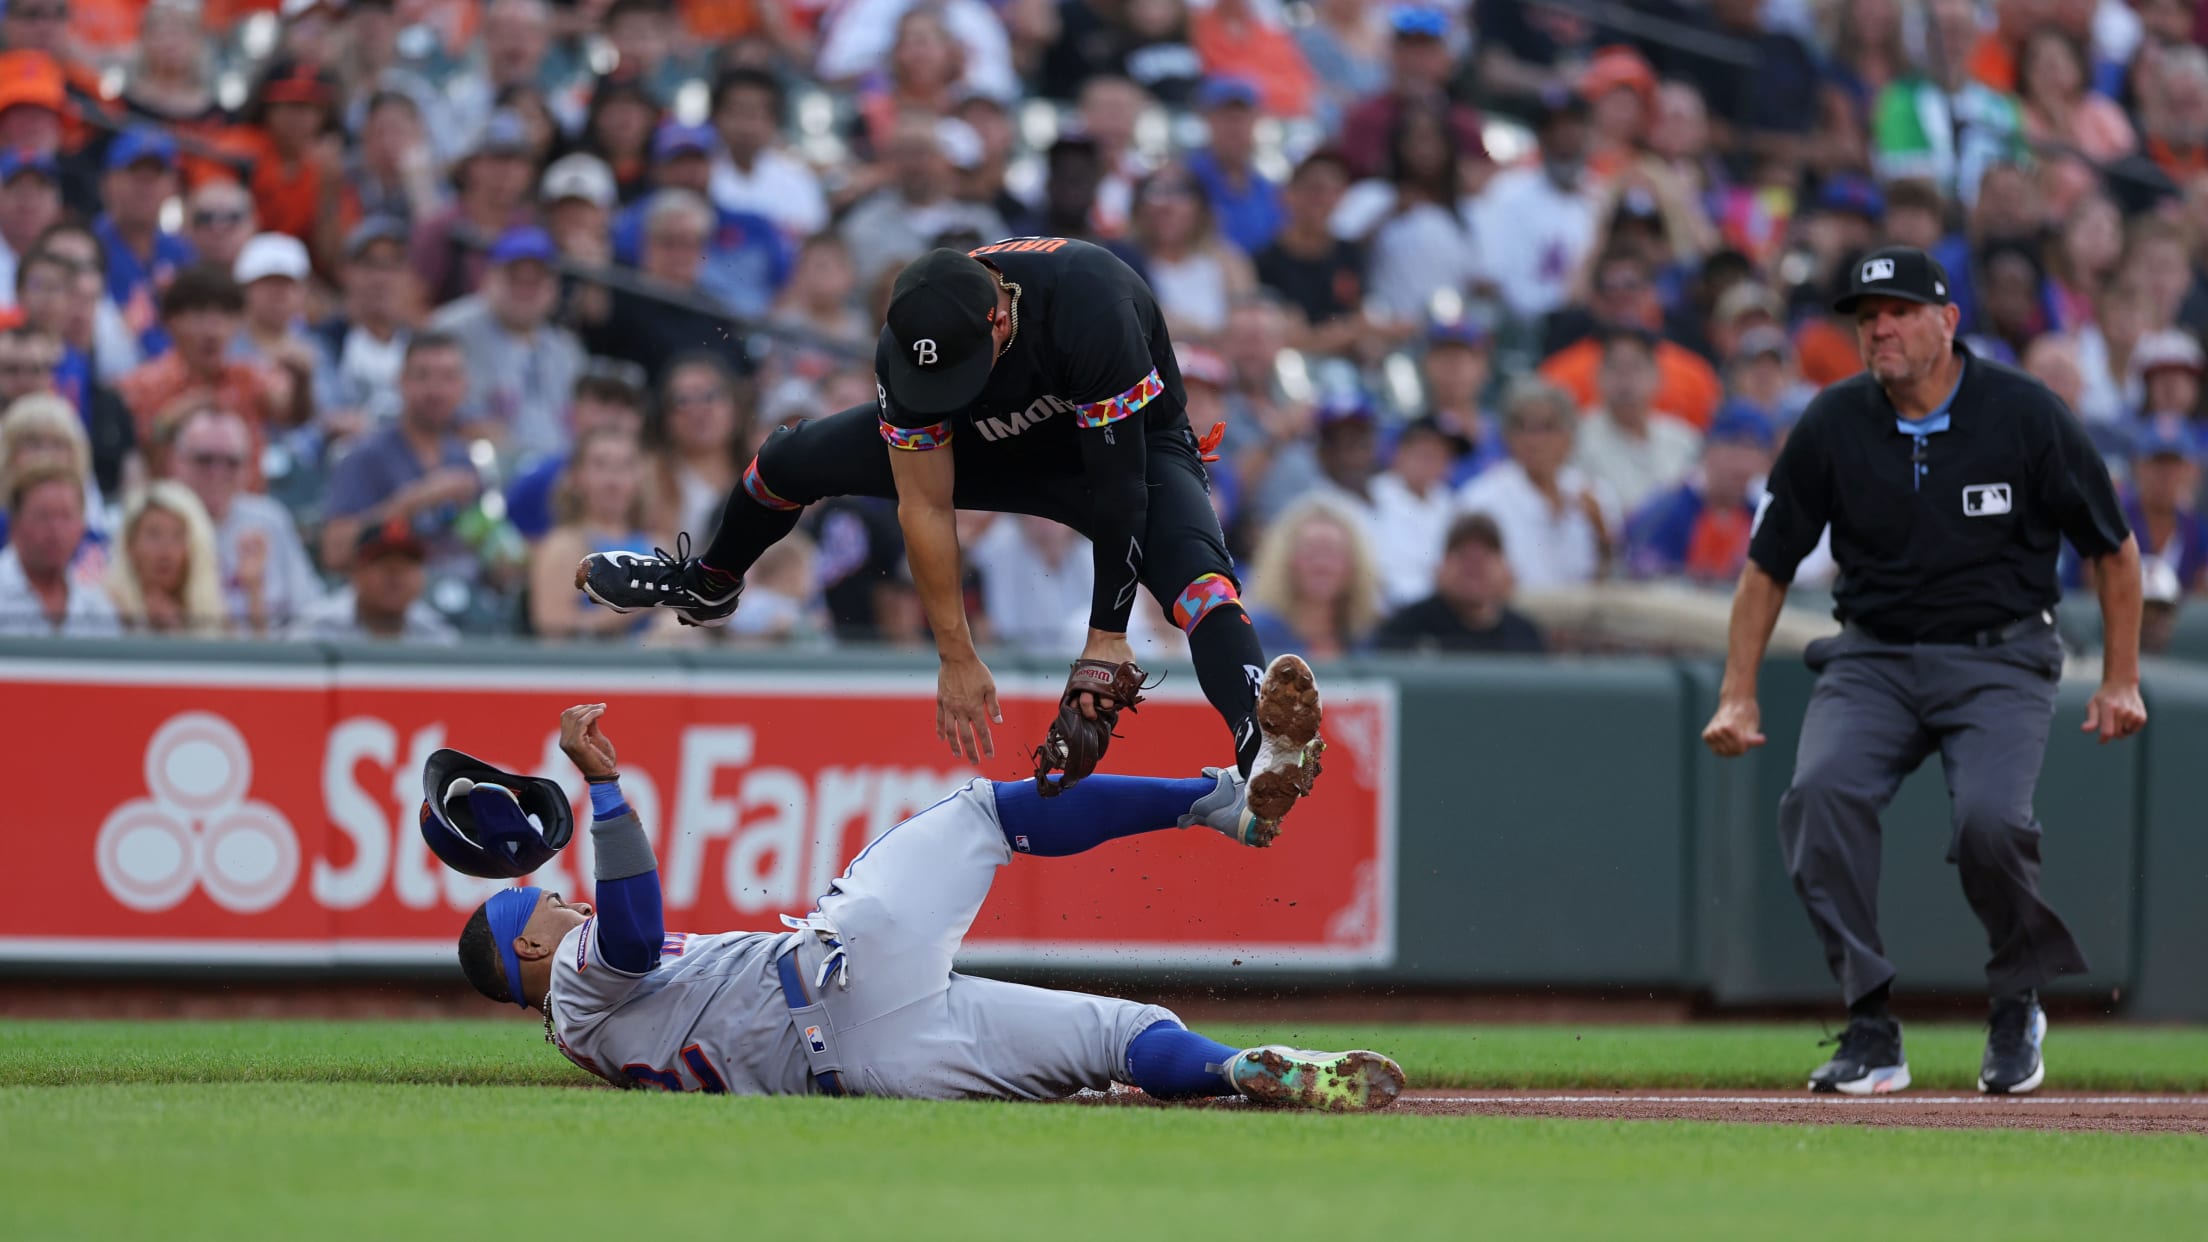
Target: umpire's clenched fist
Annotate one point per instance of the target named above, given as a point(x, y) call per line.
point(1736, 729)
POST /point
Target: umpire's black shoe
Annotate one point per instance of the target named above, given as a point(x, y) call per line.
point(627, 581)
point(1868, 1062)
point(2014, 1034)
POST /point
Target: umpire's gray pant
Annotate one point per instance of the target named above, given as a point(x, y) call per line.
point(1878, 711)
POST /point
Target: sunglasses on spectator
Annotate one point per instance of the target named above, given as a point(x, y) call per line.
point(217, 219)
point(685, 241)
point(1538, 424)
point(216, 461)
point(26, 366)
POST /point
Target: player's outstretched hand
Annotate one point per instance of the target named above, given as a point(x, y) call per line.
point(588, 747)
point(2115, 711)
point(1736, 729)
point(965, 705)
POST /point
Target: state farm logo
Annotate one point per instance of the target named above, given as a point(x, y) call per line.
point(198, 827)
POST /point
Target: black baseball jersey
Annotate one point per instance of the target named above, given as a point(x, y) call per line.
point(1091, 352)
point(1939, 534)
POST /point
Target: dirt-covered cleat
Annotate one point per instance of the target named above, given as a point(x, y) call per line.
point(1288, 748)
point(1334, 1082)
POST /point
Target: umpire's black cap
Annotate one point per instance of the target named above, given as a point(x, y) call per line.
point(1903, 272)
point(936, 350)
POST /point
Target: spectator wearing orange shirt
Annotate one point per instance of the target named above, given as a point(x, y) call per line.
point(1624, 293)
point(296, 173)
point(1994, 58)
point(201, 309)
point(1234, 40)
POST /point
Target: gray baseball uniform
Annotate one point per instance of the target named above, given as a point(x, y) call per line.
point(858, 997)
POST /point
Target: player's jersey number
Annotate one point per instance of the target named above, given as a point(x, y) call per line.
point(709, 1079)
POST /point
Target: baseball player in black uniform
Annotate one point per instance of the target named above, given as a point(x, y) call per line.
point(1949, 483)
point(1035, 376)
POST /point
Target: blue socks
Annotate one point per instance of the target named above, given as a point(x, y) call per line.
point(1171, 1062)
point(1099, 809)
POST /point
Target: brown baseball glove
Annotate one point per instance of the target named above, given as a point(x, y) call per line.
point(1077, 742)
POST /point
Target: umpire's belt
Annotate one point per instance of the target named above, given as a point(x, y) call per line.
point(810, 1017)
point(2022, 627)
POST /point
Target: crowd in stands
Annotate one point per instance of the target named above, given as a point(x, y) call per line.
point(367, 318)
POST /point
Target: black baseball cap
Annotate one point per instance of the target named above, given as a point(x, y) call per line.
point(1903, 272)
point(936, 348)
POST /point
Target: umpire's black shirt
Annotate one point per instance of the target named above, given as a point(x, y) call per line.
point(1939, 532)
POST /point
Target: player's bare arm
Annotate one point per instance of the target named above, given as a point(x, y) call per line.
point(966, 694)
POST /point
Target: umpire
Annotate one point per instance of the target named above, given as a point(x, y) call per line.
point(1949, 483)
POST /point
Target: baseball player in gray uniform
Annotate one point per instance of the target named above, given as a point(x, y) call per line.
point(858, 997)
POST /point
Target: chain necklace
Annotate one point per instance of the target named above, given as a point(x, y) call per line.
point(1014, 290)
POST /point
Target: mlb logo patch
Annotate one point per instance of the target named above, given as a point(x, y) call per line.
point(1020, 843)
point(1986, 500)
point(813, 1039)
point(1878, 269)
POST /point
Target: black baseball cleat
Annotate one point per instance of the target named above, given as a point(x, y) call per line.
point(2014, 1034)
point(1868, 1061)
point(627, 581)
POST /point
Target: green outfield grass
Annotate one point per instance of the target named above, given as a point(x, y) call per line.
point(329, 1130)
point(513, 1052)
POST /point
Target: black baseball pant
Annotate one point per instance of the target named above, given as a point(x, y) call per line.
point(843, 455)
point(1878, 712)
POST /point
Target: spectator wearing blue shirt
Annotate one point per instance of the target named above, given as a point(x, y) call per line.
point(414, 470)
point(2159, 503)
point(1246, 204)
point(141, 259)
point(1456, 370)
point(609, 394)
point(1699, 530)
point(747, 258)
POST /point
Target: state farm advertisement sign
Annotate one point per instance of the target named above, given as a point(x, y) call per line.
point(245, 814)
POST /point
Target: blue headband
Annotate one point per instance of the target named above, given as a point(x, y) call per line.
point(508, 911)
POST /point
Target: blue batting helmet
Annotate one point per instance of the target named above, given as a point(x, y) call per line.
point(486, 822)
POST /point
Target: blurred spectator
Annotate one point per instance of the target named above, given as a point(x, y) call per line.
point(1145, 41)
point(363, 344)
point(1556, 526)
point(100, 345)
point(1763, 100)
point(2053, 361)
point(2168, 364)
point(201, 311)
point(609, 396)
point(392, 171)
point(1194, 273)
point(1073, 178)
point(1536, 223)
point(1419, 246)
point(260, 564)
point(521, 366)
point(747, 258)
point(2012, 306)
point(900, 221)
point(1627, 446)
point(1456, 370)
point(162, 580)
point(272, 272)
point(693, 437)
point(33, 98)
point(676, 316)
point(298, 160)
point(1247, 39)
point(2157, 258)
point(218, 221)
point(1700, 528)
point(1319, 274)
point(1246, 204)
point(1035, 575)
point(38, 595)
point(1941, 124)
point(2074, 127)
point(1745, 308)
point(641, 34)
point(602, 507)
point(1419, 65)
point(578, 197)
point(923, 70)
point(1314, 589)
point(2161, 502)
point(1347, 449)
point(751, 173)
point(985, 183)
point(38, 431)
point(1412, 504)
point(2106, 347)
point(414, 469)
point(1528, 50)
point(819, 299)
point(2081, 259)
point(141, 257)
point(1762, 375)
point(1110, 109)
point(2173, 112)
point(859, 563)
point(1624, 293)
point(494, 181)
point(29, 357)
point(858, 36)
point(514, 39)
point(1469, 611)
point(1619, 87)
point(781, 594)
point(30, 203)
point(383, 600)
point(618, 130)
point(1346, 45)
point(169, 81)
